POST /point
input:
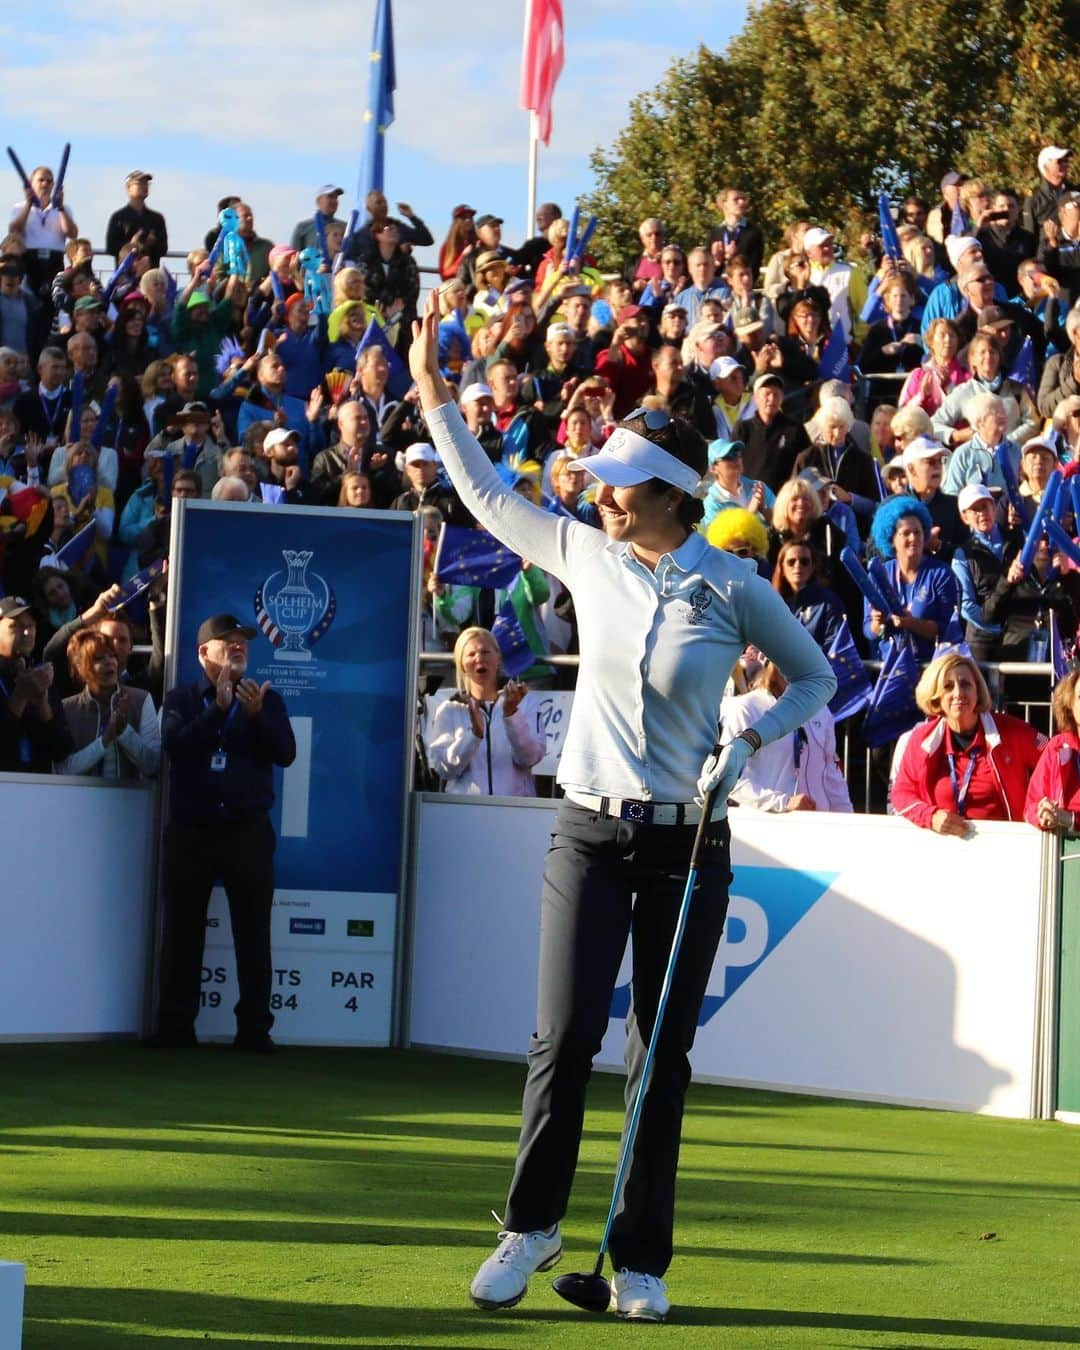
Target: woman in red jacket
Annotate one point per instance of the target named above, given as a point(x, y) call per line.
point(1053, 795)
point(966, 763)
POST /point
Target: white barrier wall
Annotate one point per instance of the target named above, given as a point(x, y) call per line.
point(75, 907)
point(862, 956)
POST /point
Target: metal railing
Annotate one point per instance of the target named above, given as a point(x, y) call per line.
point(866, 771)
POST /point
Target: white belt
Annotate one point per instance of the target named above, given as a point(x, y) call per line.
point(643, 813)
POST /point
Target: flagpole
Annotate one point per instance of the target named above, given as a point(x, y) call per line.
point(534, 148)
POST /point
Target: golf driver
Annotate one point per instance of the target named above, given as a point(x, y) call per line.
point(592, 1291)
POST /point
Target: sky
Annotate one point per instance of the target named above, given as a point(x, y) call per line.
point(266, 101)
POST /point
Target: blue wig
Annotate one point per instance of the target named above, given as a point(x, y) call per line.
point(888, 516)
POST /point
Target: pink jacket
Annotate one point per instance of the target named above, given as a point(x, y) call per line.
point(924, 388)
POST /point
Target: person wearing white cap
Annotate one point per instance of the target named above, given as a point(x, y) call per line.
point(977, 566)
point(924, 464)
point(281, 449)
point(304, 234)
point(847, 286)
point(662, 618)
point(732, 401)
point(477, 404)
point(1042, 204)
point(947, 300)
point(423, 487)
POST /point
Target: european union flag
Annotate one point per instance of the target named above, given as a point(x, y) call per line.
point(892, 709)
point(890, 240)
point(517, 655)
point(400, 380)
point(834, 364)
point(853, 685)
point(474, 558)
point(1023, 368)
point(82, 483)
point(380, 105)
point(136, 587)
point(1058, 655)
point(951, 641)
point(77, 547)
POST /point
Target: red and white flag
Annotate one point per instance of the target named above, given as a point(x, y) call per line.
point(541, 60)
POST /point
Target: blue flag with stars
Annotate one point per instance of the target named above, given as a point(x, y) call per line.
point(892, 709)
point(890, 240)
point(474, 558)
point(380, 105)
point(400, 380)
point(834, 364)
point(517, 655)
point(852, 682)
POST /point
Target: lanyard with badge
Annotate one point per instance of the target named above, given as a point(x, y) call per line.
point(219, 759)
point(960, 789)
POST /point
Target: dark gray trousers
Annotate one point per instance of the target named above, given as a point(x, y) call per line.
point(603, 881)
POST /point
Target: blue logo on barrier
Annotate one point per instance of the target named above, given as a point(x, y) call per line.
point(766, 903)
point(312, 927)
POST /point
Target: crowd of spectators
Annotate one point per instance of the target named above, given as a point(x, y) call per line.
point(909, 409)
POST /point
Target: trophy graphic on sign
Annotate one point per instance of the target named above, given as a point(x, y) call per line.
point(292, 612)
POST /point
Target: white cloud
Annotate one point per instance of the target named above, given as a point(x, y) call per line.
point(271, 103)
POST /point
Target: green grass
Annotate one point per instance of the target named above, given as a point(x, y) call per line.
point(341, 1198)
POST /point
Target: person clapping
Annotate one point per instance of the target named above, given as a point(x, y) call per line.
point(484, 740)
point(113, 726)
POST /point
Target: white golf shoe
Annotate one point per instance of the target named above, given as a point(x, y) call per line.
point(639, 1297)
point(503, 1278)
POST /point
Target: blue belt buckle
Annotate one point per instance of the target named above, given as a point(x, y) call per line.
point(640, 813)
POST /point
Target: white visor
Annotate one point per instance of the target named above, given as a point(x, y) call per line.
point(628, 459)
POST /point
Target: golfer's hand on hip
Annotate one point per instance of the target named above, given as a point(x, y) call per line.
point(722, 771)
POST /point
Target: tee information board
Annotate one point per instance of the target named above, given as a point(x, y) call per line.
point(332, 593)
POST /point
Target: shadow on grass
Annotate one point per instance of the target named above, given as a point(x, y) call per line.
point(116, 1227)
point(96, 1319)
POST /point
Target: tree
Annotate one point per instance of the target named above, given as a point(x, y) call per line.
point(819, 105)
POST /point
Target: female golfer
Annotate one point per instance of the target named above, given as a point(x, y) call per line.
point(663, 617)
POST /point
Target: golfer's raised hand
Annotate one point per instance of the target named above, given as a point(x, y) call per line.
point(424, 355)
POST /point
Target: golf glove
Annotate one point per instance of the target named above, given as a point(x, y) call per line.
point(721, 771)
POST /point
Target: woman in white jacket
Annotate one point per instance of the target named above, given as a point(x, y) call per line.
point(799, 772)
point(484, 740)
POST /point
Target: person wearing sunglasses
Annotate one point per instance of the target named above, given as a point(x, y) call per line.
point(818, 609)
point(662, 620)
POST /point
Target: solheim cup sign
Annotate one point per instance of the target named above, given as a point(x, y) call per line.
point(293, 613)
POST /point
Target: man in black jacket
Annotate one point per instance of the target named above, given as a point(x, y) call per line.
point(137, 219)
point(1042, 205)
point(772, 440)
point(223, 736)
point(33, 733)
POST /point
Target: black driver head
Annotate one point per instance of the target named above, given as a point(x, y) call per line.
point(589, 1291)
